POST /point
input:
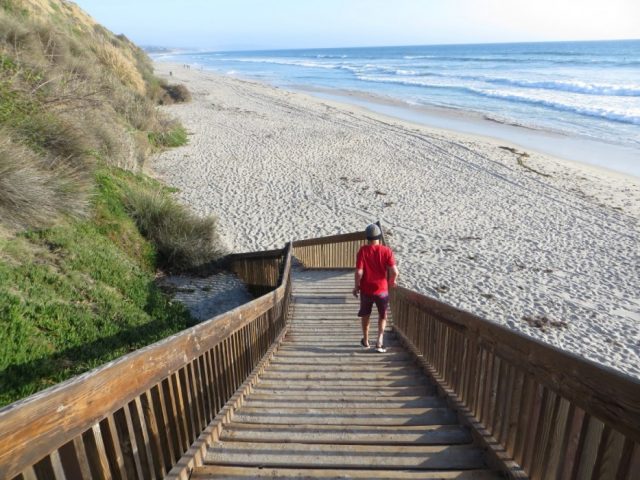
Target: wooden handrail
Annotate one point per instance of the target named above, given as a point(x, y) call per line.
point(331, 239)
point(38, 433)
point(604, 392)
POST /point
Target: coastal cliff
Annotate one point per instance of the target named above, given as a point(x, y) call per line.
point(82, 230)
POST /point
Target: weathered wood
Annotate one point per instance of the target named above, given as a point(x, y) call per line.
point(606, 393)
point(346, 416)
point(210, 472)
point(351, 434)
point(345, 456)
point(31, 428)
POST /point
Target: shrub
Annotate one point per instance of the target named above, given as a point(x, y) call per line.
point(173, 136)
point(174, 94)
point(124, 67)
point(35, 193)
point(55, 136)
point(183, 240)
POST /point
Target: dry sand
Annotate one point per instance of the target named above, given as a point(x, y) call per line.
point(510, 237)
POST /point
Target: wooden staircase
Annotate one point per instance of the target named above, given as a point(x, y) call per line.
point(327, 408)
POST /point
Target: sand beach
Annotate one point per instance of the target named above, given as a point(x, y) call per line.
point(543, 245)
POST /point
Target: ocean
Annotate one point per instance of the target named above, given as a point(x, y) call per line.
point(582, 91)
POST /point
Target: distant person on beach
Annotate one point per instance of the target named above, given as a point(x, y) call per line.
point(375, 264)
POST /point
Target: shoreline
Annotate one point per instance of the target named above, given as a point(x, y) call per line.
point(621, 159)
point(583, 151)
point(506, 233)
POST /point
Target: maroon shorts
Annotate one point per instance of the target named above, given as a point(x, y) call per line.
point(367, 301)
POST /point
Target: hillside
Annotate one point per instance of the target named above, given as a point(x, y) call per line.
point(82, 230)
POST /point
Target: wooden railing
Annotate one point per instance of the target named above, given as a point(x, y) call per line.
point(336, 251)
point(540, 411)
point(556, 415)
point(259, 271)
point(137, 416)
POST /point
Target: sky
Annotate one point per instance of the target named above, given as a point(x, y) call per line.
point(271, 24)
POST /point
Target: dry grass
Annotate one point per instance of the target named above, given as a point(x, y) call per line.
point(183, 240)
point(73, 91)
point(36, 193)
point(122, 65)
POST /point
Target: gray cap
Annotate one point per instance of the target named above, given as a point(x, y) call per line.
point(373, 232)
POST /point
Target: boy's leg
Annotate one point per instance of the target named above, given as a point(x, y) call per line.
point(382, 323)
point(365, 329)
point(382, 304)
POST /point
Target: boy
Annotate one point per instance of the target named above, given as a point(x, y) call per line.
point(374, 263)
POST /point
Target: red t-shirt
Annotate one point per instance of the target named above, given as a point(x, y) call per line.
point(374, 260)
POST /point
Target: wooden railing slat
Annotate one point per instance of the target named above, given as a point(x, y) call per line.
point(96, 454)
point(113, 447)
point(81, 456)
point(143, 440)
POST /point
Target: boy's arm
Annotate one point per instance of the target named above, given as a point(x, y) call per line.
point(393, 276)
point(358, 278)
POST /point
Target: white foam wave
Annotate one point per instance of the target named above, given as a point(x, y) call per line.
point(623, 115)
point(574, 86)
point(288, 62)
point(631, 115)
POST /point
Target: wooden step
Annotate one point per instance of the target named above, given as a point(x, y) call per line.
point(275, 401)
point(330, 375)
point(365, 359)
point(351, 383)
point(346, 416)
point(343, 390)
point(344, 456)
point(353, 434)
point(344, 351)
point(382, 368)
point(214, 472)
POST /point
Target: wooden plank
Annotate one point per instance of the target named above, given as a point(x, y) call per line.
point(345, 456)
point(158, 444)
point(626, 468)
point(350, 434)
point(608, 455)
point(544, 437)
point(178, 412)
point(44, 469)
point(136, 451)
point(339, 238)
point(113, 447)
point(556, 446)
point(381, 416)
point(166, 423)
point(56, 466)
point(589, 449)
point(141, 431)
point(122, 434)
point(332, 402)
point(96, 454)
point(330, 376)
point(81, 456)
point(71, 464)
point(576, 426)
point(211, 472)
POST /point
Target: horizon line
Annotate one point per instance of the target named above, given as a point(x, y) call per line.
point(213, 50)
